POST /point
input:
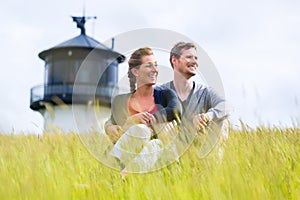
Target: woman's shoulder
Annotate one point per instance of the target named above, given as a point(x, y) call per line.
point(121, 97)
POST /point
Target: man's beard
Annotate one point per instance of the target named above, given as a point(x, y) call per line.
point(187, 73)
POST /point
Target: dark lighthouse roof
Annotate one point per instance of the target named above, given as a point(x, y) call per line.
point(82, 41)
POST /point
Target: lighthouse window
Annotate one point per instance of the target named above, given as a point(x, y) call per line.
point(61, 72)
point(47, 74)
point(91, 71)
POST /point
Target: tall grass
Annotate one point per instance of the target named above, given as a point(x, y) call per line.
point(256, 164)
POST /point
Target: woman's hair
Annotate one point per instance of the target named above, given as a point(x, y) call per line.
point(135, 61)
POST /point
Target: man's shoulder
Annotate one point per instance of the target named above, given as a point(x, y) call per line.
point(164, 90)
point(200, 86)
point(162, 87)
point(206, 90)
point(167, 85)
point(170, 86)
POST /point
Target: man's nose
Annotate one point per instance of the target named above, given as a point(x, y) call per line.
point(194, 60)
point(154, 68)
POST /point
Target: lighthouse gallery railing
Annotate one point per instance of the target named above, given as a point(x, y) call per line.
point(69, 91)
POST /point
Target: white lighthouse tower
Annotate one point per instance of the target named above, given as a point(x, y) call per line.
point(80, 73)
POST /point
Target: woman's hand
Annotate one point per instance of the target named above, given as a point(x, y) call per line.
point(114, 132)
point(141, 118)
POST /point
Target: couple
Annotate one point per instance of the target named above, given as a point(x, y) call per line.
point(133, 125)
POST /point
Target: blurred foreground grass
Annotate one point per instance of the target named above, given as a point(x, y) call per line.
point(256, 164)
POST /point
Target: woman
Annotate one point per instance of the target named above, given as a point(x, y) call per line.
point(134, 115)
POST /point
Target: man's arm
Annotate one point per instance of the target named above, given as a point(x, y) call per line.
point(215, 108)
point(218, 107)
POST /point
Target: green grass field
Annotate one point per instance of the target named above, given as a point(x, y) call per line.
point(256, 164)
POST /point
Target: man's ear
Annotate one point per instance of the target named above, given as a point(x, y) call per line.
point(134, 72)
point(173, 59)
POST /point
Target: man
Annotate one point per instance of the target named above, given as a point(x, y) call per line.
point(203, 108)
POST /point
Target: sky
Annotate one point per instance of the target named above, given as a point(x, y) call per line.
point(254, 45)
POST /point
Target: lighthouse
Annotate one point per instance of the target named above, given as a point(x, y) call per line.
point(80, 77)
